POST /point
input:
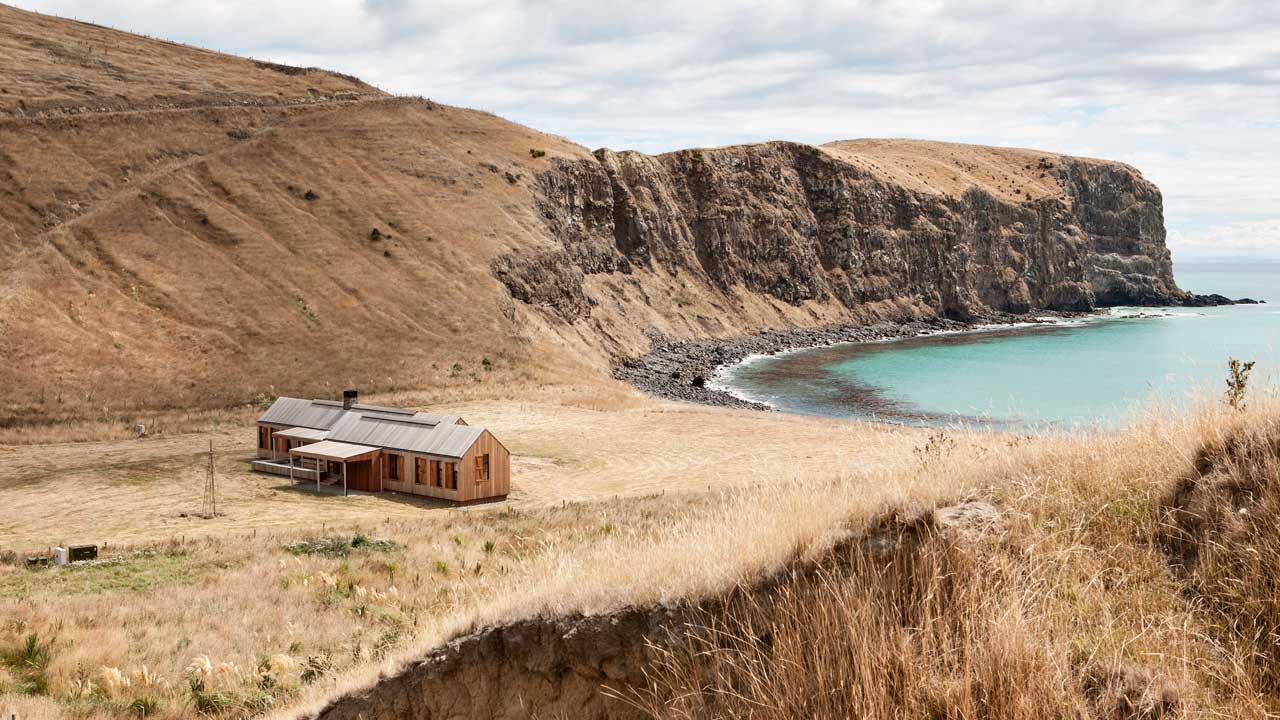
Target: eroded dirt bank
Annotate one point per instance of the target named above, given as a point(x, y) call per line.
point(602, 667)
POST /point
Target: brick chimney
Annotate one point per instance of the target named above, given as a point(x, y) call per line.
point(349, 398)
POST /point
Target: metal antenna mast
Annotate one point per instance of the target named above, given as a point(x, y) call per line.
point(210, 488)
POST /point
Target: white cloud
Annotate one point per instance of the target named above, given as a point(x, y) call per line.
point(1252, 239)
point(1184, 90)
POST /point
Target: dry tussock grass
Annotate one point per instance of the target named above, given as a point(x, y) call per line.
point(1066, 607)
point(74, 428)
point(1070, 609)
point(258, 624)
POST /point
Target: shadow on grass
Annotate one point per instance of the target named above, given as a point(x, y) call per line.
point(331, 492)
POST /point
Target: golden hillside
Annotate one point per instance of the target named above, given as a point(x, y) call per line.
point(203, 254)
point(951, 168)
point(185, 229)
point(50, 64)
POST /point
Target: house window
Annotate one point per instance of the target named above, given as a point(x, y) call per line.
point(482, 467)
point(452, 476)
point(439, 473)
point(420, 476)
point(264, 438)
point(393, 467)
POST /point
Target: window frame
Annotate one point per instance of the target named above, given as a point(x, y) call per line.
point(393, 466)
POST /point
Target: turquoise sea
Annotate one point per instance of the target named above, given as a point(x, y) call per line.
point(1095, 371)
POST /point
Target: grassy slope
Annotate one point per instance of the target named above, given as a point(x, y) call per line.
point(169, 257)
point(1068, 603)
point(52, 63)
point(137, 247)
point(159, 250)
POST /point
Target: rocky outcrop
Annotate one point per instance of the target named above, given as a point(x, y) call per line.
point(804, 224)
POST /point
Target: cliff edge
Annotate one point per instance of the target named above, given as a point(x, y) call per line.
point(181, 229)
point(955, 230)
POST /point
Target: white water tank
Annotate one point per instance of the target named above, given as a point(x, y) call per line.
point(59, 556)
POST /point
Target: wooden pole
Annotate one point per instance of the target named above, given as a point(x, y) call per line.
point(344, 477)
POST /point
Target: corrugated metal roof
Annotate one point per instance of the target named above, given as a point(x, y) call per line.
point(296, 412)
point(410, 434)
point(299, 433)
point(382, 409)
point(330, 450)
point(373, 425)
point(452, 440)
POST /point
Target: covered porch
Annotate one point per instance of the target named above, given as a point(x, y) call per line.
point(331, 463)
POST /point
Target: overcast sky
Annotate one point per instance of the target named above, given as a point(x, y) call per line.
point(1187, 91)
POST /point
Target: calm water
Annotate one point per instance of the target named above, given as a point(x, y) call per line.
point(1096, 371)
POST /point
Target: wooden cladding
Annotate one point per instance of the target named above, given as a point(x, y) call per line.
point(483, 472)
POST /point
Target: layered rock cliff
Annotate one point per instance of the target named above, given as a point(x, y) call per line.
point(183, 229)
point(957, 230)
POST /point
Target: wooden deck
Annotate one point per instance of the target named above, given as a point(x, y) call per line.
point(272, 467)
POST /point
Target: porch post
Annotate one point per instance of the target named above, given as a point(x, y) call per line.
point(344, 477)
point(290, 469)
point(317, 463)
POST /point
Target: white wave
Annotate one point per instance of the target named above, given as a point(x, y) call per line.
point(720, 381)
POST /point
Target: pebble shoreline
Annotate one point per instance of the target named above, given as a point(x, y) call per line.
point(685, 369)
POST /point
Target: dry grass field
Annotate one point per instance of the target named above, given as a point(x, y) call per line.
point(190, 235)
point(1071, 580)
point(564, 450)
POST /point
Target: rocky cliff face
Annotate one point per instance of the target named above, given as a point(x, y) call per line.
point(965, 232)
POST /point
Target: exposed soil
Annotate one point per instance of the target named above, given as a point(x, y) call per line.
point(588, 667)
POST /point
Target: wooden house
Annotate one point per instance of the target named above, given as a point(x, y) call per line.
point(368, 448)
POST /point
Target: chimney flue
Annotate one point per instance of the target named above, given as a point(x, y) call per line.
point(349, 398)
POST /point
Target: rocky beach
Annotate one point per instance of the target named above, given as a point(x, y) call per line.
point(686, 369)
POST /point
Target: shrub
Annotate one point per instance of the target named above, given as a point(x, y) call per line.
point(1238, 382)
point(535, 153)
point(28, 661)
point(334, 546)
point(315, 667)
